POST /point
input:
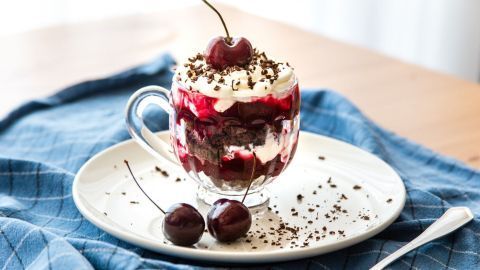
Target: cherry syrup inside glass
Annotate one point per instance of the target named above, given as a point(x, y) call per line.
point(221, 144)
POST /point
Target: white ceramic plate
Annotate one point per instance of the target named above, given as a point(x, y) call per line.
point(106, 195)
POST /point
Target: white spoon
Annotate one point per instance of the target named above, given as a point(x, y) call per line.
point(451, 220)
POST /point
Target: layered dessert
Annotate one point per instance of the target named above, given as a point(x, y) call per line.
point(235, 125)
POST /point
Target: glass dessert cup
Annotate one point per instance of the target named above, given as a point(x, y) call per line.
point(227, 145)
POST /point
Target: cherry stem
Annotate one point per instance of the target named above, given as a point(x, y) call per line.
point(221, 18)
point(134, 179)
point(251, 176)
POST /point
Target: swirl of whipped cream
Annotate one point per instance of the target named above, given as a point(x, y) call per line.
point(261, 77)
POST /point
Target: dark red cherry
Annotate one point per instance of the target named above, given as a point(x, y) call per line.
point(183, 225)
point(228, 220)
point(221, 53)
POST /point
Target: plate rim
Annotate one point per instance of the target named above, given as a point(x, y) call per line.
point(228, 256)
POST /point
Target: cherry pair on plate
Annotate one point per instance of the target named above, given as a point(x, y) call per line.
point(183, 225)
point(227, 221)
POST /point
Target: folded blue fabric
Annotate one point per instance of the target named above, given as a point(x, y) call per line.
point(45, 142)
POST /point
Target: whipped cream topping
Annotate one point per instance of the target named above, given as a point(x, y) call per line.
point(259, 78)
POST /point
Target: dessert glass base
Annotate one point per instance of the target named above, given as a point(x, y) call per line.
point(256, 199)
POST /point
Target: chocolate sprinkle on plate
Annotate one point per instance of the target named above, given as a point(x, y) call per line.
point(164, 173)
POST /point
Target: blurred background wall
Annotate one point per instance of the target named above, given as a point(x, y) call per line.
point(443, 35)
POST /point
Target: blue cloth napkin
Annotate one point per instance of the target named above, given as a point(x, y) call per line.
point(45, 142)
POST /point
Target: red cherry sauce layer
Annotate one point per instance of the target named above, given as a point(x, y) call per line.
point(208, 133)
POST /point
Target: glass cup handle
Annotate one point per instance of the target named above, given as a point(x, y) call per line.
point(136, 105)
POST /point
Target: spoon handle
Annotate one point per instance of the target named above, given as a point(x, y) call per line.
point(451, 220)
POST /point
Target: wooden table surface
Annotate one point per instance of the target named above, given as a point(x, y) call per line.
point(436, 110)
